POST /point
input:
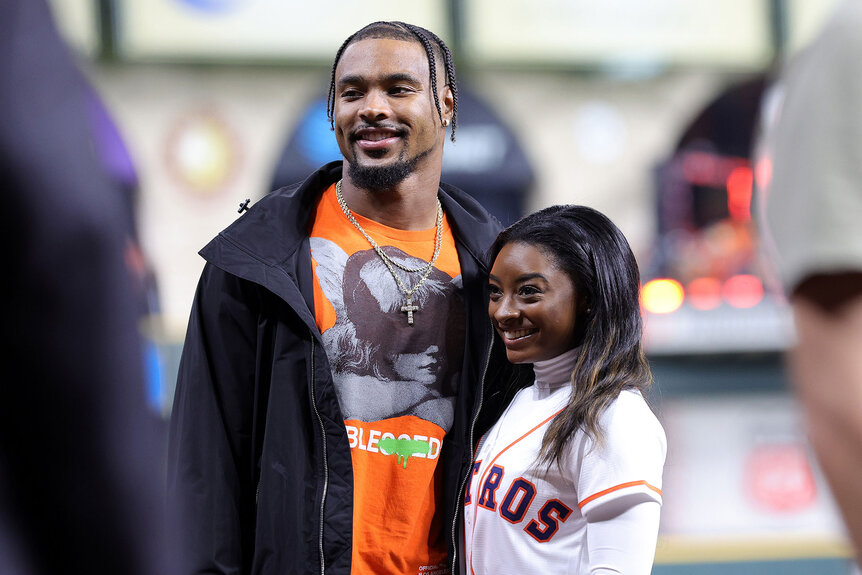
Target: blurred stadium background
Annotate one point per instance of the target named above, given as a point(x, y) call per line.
point(647, 111)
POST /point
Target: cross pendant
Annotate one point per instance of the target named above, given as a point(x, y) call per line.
point(409, 309)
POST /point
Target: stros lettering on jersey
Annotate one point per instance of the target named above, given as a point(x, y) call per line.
point(522, 519)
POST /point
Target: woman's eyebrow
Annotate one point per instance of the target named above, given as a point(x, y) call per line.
point(533, 276)
point(521, 278)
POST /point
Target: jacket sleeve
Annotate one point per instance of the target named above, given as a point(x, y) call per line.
point(210, 462)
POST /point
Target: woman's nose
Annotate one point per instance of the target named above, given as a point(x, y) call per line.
point(504, 309)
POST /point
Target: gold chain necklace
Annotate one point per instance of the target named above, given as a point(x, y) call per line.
point(409, 308)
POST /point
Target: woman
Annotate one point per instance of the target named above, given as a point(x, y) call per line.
point(568, 479)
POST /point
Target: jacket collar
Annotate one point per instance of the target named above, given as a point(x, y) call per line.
point(275, 227)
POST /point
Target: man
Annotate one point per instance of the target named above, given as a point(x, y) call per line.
point(81, 474)
point(813, 212)
point(316, 427)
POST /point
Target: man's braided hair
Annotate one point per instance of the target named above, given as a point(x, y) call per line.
point(411, 33)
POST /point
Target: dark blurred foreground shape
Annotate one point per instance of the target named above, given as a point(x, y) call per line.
point(813, 209)
point(80, 454)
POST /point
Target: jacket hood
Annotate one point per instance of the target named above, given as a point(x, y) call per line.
point(262, 245)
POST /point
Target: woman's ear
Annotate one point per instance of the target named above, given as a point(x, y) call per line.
point(584, 311)
point(584, 306)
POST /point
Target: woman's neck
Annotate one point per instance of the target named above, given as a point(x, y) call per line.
point(557, 371)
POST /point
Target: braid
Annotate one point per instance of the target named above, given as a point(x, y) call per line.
point(453, 87)
point(423, 35)
point(402, 31)
point(432, 64)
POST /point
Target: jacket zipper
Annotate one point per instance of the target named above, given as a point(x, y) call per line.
point(325, 460)
point(470, 447)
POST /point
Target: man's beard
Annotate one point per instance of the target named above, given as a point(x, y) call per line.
point(378, 178)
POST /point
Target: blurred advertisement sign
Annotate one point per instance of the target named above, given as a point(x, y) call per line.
point(779, 478)
point(257, 29)
point(805, 18)
point(766, 327)
point(734, 33)
point(739, 469)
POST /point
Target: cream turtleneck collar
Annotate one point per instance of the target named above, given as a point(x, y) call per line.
point(556, 372)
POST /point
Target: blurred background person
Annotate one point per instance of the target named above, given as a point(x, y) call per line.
point(80, 456)
point(813, 220)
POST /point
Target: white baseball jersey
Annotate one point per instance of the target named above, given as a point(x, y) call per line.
point(519, 519)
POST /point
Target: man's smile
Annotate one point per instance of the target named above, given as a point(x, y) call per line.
point(376, 138)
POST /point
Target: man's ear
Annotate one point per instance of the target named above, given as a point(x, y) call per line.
point(447, 104)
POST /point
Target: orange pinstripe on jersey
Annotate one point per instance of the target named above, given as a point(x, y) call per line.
point(595, 496)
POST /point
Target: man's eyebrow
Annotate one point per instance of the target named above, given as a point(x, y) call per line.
point(394, 78)
point(401, 77)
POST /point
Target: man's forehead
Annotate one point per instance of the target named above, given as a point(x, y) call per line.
point(373, 56)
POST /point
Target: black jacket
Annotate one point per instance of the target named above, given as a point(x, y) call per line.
point(259, 459)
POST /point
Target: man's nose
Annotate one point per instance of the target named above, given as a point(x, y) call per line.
point(375, 106)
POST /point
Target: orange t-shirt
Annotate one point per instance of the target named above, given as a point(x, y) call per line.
point(396, 383)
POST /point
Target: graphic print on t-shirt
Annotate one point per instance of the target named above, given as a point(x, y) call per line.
point(396, 383)
point(383, 367)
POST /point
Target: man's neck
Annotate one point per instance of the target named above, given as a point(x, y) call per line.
point(410, 205)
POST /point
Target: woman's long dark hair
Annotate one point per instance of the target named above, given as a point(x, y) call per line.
point(587, 246)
